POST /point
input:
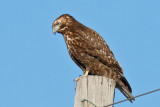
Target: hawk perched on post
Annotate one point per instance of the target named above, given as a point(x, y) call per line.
point(90, 52)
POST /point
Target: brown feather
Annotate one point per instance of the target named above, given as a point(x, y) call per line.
point(89, 51)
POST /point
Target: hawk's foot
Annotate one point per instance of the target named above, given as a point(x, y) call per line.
point(75, 80)
point(86, 74)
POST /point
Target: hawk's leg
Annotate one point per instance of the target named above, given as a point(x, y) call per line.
point(86, 74)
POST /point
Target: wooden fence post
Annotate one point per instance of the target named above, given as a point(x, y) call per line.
point(97, 89)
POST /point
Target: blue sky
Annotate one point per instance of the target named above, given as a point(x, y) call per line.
point(35, 67)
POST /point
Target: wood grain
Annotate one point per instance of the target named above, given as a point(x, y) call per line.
point(97, 89)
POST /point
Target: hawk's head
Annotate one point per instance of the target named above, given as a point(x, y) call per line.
point(62, 23)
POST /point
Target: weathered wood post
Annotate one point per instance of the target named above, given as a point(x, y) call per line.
point(99, 90)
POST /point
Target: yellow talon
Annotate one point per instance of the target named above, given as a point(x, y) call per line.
point(86, 74)
point(77, 79)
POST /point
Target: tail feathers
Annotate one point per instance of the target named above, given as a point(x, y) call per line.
point(125, 92)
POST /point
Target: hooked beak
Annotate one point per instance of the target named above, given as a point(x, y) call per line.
point(54, 30)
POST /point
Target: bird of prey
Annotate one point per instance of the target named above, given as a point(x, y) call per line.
point(90, 52)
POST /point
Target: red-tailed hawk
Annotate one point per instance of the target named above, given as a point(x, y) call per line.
point(90, 52)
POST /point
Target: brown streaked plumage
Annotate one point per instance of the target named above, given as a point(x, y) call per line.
point(90, 52)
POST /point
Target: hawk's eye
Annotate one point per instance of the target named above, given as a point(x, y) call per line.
point(58, 23)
